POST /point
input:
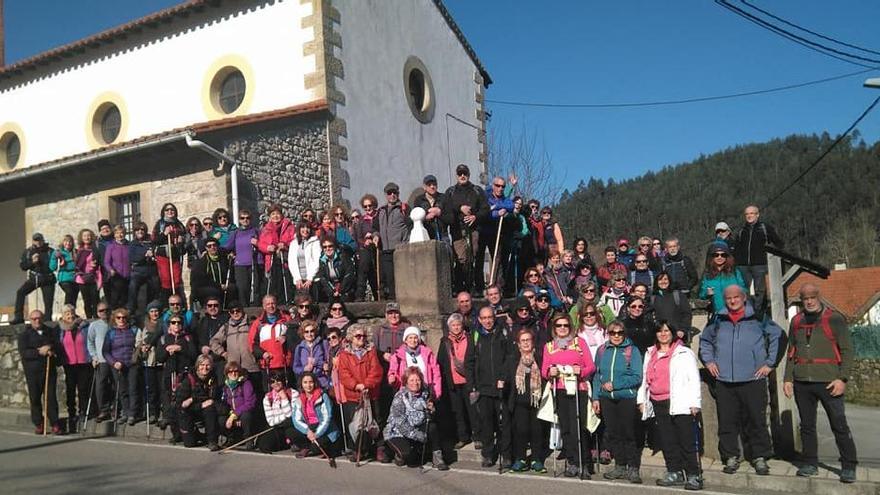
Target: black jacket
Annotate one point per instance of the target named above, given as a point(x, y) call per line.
point(490, 363)
point(181, 360)
point(210, 274)
point(346, 276)
point(674, 307)
point(199, 390)
point(137, 255)
point(515, 398)
point(206, 328)
point(459, 195)
point(444, 353)
point(640, 331)
point(41, 267)
point(681, 270)
point(752, 243)
point(28, 342)
point(436, 226)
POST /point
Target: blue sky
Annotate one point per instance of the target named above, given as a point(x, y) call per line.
point(602, 52)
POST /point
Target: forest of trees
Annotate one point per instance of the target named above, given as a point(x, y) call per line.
point(830, 216)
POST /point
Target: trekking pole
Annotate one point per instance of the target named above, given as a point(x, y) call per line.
point(171, 266)
point(248, 439)
point(117, 374)
point(253, 274)
point(577, 408)
point(378, 274)
point(46, 398)
point(283, 279)
point(344, 440)
point(698, 430)
point(85, 422)
point(425, 443)
point(501, 426)
point(324, 452)
point(360, 433)
point(226, 289)
point(269, 282)
point(495, 252)
point(147, 396)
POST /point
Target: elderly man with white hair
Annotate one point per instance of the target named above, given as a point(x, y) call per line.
point(739, 351)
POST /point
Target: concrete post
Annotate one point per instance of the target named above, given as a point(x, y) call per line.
point(423, 284)
point(784, 420)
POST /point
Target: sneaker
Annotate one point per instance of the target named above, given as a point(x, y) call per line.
point(538, 467)
point(807, 470)
point(519, 466)
point(302, 453)
point(213, 447)
point(761, 466)
point(605, 457)
point(487, 462)
point(632, 474)
point(478, 445)
point(132, 421)
point(38, 430)
point(848, 475)
point(694, 482)
point(571, 470)
point(731, 465)
point(437, 460)
point(672, 478)
point(619, 472)
point(505, 463)
point(104, 416)
point(56, 429)
point(382, 456)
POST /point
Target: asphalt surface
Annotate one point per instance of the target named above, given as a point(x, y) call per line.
point(34, 464)
point(864, 422)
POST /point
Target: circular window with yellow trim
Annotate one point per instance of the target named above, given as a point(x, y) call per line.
point(107, 123)
point(228, 89)
point(418, 90)
point(10, 150)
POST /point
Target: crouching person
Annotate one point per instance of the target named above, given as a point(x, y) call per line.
point(409, 427)
point(239, 399)
point(278, 407)
point(198, 397)
point(314, 429)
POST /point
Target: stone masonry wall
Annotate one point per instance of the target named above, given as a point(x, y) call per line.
point(286, 166)
point(864, 385)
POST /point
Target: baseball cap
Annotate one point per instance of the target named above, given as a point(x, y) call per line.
point(721, 226)
point(392, 306)
point(429, 179)
point(391, 187)
point(623, 242)
point(38, 237)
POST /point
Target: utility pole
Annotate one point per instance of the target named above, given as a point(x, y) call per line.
point(2, 38)
point(874, 82)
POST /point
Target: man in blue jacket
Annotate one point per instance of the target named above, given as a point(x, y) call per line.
point(740, 351)
point(500, 206)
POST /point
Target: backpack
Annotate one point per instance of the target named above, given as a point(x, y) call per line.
point(825, 323)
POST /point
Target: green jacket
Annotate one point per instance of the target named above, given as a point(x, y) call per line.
point(817, 346)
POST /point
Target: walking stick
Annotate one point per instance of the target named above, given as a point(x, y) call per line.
point(171, 265)
point(425, 443)
point(698, 430)
point(324, 452)
point(495, 253)
point(577, 407)
point(147, 396)
point(253, 274)
point(226, 284)
point(269, 282)
point(85, 422)
point(344, 440)
point(500, 428)
point(378, 274)
point(248, 439)
point(46, 398)
point(283, 279)
point(118, 375)
point(360, 438)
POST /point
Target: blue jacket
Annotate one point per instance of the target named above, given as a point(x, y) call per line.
point(739, 349)
point(612, 366)
point(324, 410)
point(495, 204)
point(718, 283)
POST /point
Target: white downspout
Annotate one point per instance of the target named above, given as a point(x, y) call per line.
point(233, 169)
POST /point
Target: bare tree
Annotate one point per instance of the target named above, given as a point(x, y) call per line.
point(523, 154)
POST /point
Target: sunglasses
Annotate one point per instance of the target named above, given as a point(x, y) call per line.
point(244, 218)
point(587, 291)
point(617, 333)
point(498, 185)
point(303, 306)
point(637, 306)
point(175, 322)
point(212, 305)
point(120, 317)
point(389, 193)
point(463, 174)
point(173, 304)
point(194, 224)
point(368, 206)
point(327, 246)
point(531, 275)
point(543, 299)
point(641, 261)
point(309, 331)
point(590, 313)
point(235, 310)
point(208, 224)
point(336, 308)
point(522, 309)
point(222, 216)
point(562, 325)
point(358, 336)
point(355, 217)
point(720, 255)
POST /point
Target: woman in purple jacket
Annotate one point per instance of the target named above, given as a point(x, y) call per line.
point(119, 353)
point(240, 400)
point(117, 265)
point(311, 354)
point(248, 268)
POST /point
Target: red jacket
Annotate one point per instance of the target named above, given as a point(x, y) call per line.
point(264, 337)
point(272, 234)
point(352, 371)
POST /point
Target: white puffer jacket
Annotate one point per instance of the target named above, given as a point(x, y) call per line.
point(684, 387)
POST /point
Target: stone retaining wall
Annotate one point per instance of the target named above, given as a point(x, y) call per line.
point(864, 385)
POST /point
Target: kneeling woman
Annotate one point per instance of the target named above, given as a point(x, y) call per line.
point(409, 425)
point(670, 392)
point(314, 428)
point(198, 396)
point(239, 398)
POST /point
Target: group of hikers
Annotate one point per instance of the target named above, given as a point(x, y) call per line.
point(590, 360)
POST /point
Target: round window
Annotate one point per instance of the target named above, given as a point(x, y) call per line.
point(232, 90)
point(111, 123)
point(419, 90)
point(10, 150)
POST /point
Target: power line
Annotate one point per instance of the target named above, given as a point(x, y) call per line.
point(814, 33)
point(681, 101)
point(797, 39)
point(824, 153)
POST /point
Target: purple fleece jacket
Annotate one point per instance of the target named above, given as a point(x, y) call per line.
point(116, 258)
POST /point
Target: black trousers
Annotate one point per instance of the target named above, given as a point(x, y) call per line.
point(46, 284)
point(138, 279)
point(118, 296)
point(487, 242)
point(808, 395)
point(677, 438)
point(151, 390)
point(387, 262)
point(459, 407)
point(495, 427)
point(102, 388)
point(126, 379)
point(411, 450)
point(35, 375)
point(77, 382)
point(188, 417)
point(620, 416)
point(570, 427)
point(167, 386)
point(738, 400)
point(71, 291)
point(90, 299)
point(245, 430)
point(527, 432)
point(366, 273)
point(248, 283)
point(301, 441)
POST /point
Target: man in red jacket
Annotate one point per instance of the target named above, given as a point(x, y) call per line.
point(268, 338)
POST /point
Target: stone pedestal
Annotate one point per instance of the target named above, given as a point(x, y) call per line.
point(423, 284)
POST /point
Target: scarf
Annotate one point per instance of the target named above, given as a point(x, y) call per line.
point(562, 342)
point(594, 335)
point(456, 363)
point(528, 363)
point(337, 322)
point(233, 383)
point(308, 403)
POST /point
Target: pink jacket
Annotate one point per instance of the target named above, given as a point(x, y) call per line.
point(400, 362)
point(577, 353)
point(85, 273)
point(271, 234)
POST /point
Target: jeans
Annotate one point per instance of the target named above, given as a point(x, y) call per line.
point(807, 395)
point(46, 283)
point(757, 273)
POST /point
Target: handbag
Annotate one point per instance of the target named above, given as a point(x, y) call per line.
point(592, 420)
point(546, 408)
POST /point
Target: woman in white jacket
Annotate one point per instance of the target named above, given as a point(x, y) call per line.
point(670, 392)
point(304, 258)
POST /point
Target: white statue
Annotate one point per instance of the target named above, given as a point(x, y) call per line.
point(419, 233)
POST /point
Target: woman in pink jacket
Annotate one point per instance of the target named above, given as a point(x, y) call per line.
point(568, 364)
point(273, 242)
point(414, 353)
point(88, 271)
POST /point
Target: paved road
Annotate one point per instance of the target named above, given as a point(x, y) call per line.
point(865, 425)
point(32, 464)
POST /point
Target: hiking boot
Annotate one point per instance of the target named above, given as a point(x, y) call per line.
point(38, 430)
point(605, 457)
point(505, 463)
point(382, 456)
point(57, 430)
point(731, 465)
point(487, 462)
point(303, 453)
point(807, 470)
point(619, 472)
point(538, 467)
point(848, 475)
point(672, 478)
point(571, 470)
point(103, 416)
point(437, 460)
point(632, 475)
point(694, 482)
point(72, 424)
point(132, 421)
point(478, 445)
point(761, 466)
point(519, 466)
point(213, 447)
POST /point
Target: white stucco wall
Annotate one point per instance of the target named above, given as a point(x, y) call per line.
point(161, 83)
point(385, 142)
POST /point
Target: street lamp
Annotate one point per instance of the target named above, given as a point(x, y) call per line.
point(874, 82)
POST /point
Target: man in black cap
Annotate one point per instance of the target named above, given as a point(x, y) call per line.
point(433, 202)
point(35, 261)
point(466, 210)
point(391, 225)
